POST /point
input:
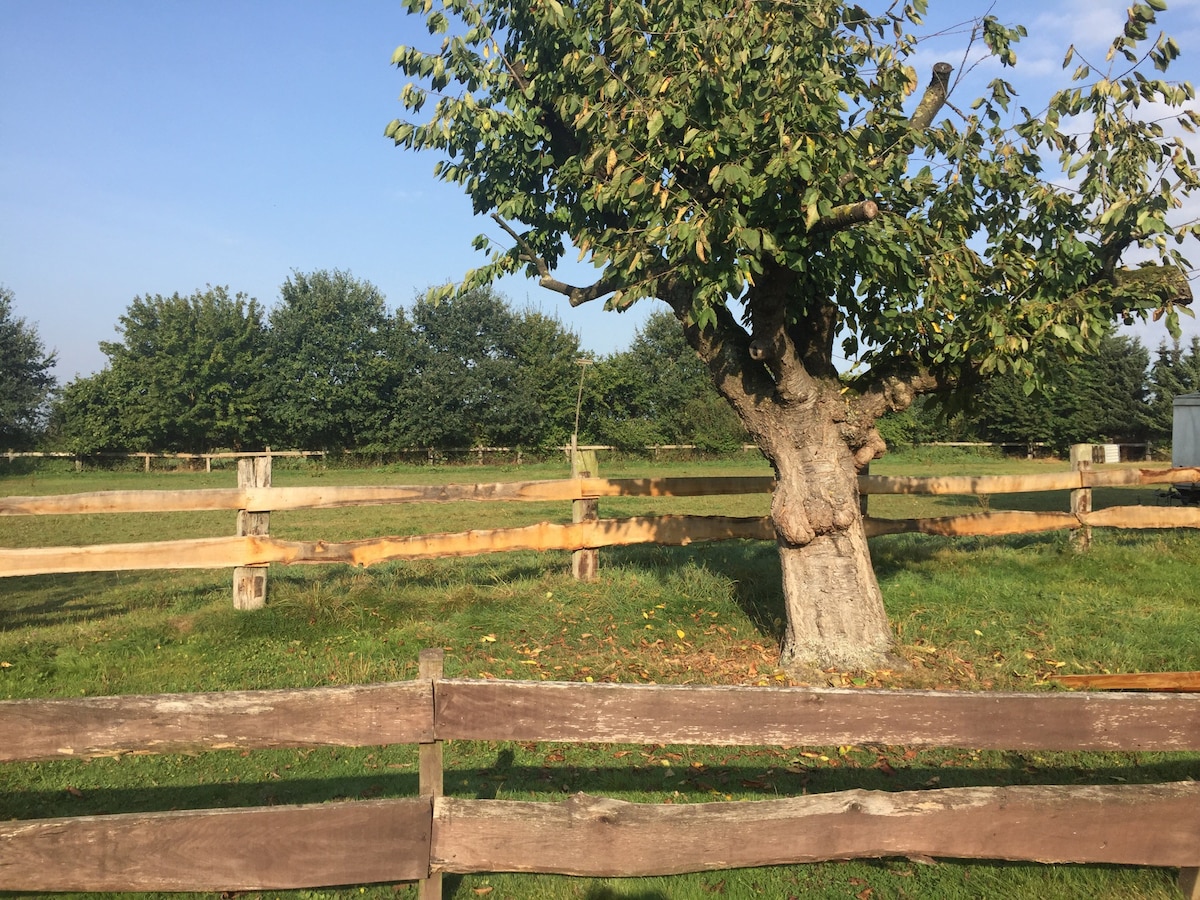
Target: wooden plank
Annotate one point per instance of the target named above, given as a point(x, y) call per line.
point(122, 502)
point(989, 523)
point(1013, 484)
point(214, 553)
point(598, 837)
point(276, 847)
point(1134, 681)
point(353, 716)
point(968, 484)
point(197, 553)
point(1018, 522)
point(764, 716)
point(329, 497)
point(1144, 517)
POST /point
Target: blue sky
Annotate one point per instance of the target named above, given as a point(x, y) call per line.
point(154, 147)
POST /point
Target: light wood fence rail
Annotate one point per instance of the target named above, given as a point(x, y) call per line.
point(249, 550)
point(417, 838)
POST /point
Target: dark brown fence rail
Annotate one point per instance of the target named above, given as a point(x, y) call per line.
point(417, 838)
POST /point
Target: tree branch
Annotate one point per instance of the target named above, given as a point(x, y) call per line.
point(847, 215)
point(931, 103)
point(934, 98)
point(576, 296)
point(894, 391)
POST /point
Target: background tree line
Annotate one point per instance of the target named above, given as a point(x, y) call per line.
point(331, 366)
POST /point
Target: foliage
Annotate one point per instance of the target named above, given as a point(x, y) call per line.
point(1099, 398)
point(488, 375)
point(338, 361)
point(26, 380)
point(658, 392)
point(185, 376)
point(614, 125)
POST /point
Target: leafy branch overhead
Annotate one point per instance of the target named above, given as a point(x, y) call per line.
point(790, 157)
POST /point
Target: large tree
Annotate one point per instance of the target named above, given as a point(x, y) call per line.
point(26, 379)
point(776, 175)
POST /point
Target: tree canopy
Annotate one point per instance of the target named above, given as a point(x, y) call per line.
point(338, 357)
point(185, 375)
point(616, 126)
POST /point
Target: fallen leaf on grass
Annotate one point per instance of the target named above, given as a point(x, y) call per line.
point(481, 890)
point(74, 791)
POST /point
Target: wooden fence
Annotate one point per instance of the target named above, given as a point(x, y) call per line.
point(417, 838)
point(252, 547)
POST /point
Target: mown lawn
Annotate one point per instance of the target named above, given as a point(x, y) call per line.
point(972, 613)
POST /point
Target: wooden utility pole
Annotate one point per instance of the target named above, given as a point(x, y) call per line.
point(1081, 498)
point(584, 563)
point(250, 582)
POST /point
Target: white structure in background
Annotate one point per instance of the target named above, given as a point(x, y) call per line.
point(1185, 431)
point(1185, 442)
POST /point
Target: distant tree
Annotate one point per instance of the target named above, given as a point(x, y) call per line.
point(26, 380)
point(547, 377)
point(1098, 398)
point(337, 359)
point(86, 416)
point(659, 392)
point(488, 375)
point(186, 375)
point(1174, 371)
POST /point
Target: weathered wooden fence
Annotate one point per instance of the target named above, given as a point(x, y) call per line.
point(252, 548)
point(417, 838)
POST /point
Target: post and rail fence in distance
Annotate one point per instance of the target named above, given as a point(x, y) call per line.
point(252, 548)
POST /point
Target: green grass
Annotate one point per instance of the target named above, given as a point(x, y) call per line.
point(969, 613)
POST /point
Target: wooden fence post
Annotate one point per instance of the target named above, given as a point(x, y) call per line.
point(430, 783)
point(250, 582)
point(584, 563)
point(1081, 498)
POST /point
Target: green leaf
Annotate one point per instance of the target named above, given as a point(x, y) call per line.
point(654, 125)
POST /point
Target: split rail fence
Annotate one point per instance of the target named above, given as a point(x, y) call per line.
point(252, 548)
point(418, 838)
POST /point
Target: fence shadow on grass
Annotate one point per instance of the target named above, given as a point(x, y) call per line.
point(747, 773)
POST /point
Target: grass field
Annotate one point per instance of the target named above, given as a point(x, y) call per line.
point(972, 613)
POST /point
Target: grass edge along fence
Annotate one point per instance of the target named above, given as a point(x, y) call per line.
point(252, 548)
point(418, 838)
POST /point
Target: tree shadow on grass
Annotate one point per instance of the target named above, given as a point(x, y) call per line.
point(42, 601)
point(750, 567)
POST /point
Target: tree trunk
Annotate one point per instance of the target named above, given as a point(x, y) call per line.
point(817, 440)
point(835, 613)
